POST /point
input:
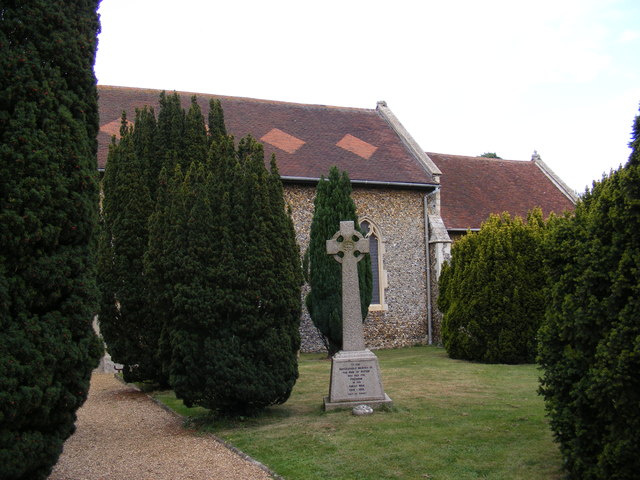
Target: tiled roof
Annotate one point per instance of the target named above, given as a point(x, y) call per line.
point(307, 139)
point(472, 188)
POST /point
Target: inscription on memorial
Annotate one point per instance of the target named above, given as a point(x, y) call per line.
point(355, 374)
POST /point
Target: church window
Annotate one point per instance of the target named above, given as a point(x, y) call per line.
point(379, 274)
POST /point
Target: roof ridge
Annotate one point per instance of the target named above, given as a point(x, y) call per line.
point(557, 181)
point(478, 157)
point(409, 142)
point(230, 97)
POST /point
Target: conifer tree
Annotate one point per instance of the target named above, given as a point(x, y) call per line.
point(217, 128)
point(133, 327)
point(195, 135)
point(126, 321)
point(220, 266)
point(171, 131)
point(145, 142)
point(590, 341)
point(160, 261)
point(492, 291)
point(234, 334)
point(48, 211)
point(332, 205)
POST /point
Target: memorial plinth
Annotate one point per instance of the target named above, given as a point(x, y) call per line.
point(355, 380)
point(355, 373)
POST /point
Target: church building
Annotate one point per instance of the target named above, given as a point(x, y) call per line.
point(410, 203)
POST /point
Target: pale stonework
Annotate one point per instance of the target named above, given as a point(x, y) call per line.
point(355, 373)
point(348, 247)
point(399, 215)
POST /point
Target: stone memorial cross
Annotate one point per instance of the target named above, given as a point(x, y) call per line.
point(355, 373)
point(348, 247)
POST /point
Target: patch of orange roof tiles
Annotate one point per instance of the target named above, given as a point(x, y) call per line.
point(282, 140)
point(113, 128)
point(357, 146)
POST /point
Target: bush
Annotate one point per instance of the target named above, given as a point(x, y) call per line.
point(492, 291)
point(590, 342)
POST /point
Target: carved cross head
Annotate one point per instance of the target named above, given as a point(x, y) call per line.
point(347, 244)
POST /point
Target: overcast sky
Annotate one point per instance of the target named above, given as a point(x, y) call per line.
point(464, 77)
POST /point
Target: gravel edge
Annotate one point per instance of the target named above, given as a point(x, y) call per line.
point(224, 443)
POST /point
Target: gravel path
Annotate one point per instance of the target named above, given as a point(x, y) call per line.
point(124, 435)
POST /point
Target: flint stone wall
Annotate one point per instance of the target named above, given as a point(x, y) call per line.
point(399, 215)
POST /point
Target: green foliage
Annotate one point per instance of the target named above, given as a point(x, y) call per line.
point(171, 131)
point(217, 129)
point(48, 212)
point(195, 135)
point(235, 277)
point(590, 342)
point(127, 321)
point(492, 291)
point(332, 205)
point(221, 269)
point(490, 155)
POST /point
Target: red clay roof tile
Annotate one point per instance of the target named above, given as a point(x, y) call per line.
point(282, 140)
point(472, 188)
point(320, 127)
point(357, 146)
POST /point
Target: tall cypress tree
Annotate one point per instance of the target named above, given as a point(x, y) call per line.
point(333, 204)
point(271, 260)
point(195, 135)
point(234, 333)
point(48, 211)
point(161, 261)
point(145, 143)
point(221, 266)
point(127, 324)
point(171, 127)
point(133, 307)
point(217, 128)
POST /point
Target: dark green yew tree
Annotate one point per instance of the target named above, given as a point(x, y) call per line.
point(236, 304)
point(205, 255)
point(134, 303)
point(171, 131)
point(145, 144)
point(492, 291)
point(215, 124)
point(590, 341)
point(332, 205)
point(127, 322)
point(160, 261)
point(181, 139)
point(48, 212)
point(196, 144)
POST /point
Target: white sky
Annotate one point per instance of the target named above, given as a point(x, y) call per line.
point(464, 77)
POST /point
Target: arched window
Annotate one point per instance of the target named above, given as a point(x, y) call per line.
point(376, 252)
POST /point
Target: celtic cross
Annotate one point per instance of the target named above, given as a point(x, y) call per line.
point(348, 247)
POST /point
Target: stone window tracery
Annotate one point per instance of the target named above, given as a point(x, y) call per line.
point(376, 252)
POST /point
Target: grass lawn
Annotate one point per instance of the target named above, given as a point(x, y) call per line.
point(451, 420)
